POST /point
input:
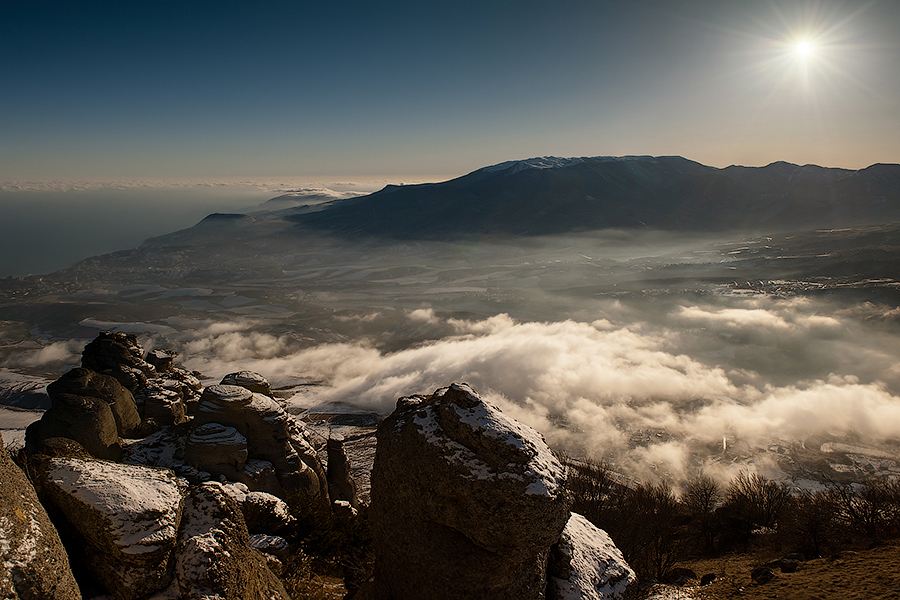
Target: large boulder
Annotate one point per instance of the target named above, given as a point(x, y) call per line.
point(214, 558)
point(85, 419)
point(118, 354)
point(466, 502)
point(84, 382)
point(33, 562)
point(272, 436)
point(127, 515)
point(586, 565)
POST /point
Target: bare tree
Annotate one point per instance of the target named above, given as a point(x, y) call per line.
point(701, 497)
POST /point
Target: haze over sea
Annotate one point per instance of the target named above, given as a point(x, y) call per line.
point(47, 227)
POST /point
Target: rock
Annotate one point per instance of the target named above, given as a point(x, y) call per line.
point(163, 448)
point(343, 509)
point(466, 502)
point(586, 564)
point(272, 545)
point(340, 482)
point(84, 382)
point(85, 419)
point(217, 449)
point(762, 575)
point(265, 513)
point(707, 579)
point(272, 435)
point(259, 476)
point(248, 380)
point(127, 514)
point(162, 360)
point(33, 563)
point(214, 559)
point(119, 355)
point(161, 401)
point(64, 448)
point(679, 576)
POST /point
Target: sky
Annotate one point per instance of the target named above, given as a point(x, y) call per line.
point(338, 91)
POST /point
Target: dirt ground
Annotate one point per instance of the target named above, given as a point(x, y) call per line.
point(872, 574)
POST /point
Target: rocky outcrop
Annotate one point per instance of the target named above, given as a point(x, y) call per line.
point(586, 565)
point(466, 502)
point(33, 562)
point(214, 557)
point(272, 436)
point(119, 355)
point(128, 515)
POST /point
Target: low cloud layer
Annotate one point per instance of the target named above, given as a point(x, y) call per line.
point(655, 398)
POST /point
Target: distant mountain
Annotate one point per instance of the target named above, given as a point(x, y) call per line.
point(557, 195)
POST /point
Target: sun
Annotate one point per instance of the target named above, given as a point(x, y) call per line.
point(803, 48)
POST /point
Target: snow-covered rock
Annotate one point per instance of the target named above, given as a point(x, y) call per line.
point(586, 565)
point(214, 558)
point(33, 562)
point(466, 502)
point(128, 515)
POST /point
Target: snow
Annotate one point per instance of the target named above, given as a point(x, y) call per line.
point(543, 162)
point(598, 570)
point(139, 504)
point(543, 472)
point(26, 550)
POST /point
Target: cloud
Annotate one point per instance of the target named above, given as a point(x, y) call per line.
point(54, 354)
point(655, 397)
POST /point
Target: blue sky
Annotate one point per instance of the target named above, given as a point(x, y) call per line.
point(430, 90)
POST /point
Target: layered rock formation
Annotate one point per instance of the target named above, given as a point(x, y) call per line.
point(256, 422)
point(126, 521)
point(466, 502)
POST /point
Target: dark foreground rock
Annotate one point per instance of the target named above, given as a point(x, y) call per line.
point(466, 502)
point(33, 562)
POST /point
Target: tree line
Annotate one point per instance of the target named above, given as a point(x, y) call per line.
point(655, 527)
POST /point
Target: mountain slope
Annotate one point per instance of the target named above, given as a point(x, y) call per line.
point(553, 195)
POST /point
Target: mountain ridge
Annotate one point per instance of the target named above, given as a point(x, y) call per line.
point(551, 195)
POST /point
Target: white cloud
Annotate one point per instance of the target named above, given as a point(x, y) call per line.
point(595, 387)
